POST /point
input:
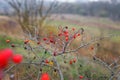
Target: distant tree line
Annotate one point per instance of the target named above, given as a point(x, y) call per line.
point(100, 9)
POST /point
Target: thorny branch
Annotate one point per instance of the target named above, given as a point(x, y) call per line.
point(64, 50)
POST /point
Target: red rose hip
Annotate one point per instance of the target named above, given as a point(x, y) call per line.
point(81, 77)
point(5, 56)
point(7, 41)
point(17, 58)
point(45, 76)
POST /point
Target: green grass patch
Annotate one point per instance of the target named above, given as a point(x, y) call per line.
point(3, 43)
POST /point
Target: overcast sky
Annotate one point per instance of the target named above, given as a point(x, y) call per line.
point(73, 0)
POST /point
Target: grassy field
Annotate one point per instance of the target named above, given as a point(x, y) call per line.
point(92, 25)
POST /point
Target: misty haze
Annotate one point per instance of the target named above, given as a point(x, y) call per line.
point(59, 39)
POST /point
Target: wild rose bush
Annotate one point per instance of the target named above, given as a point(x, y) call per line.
point(49, 57)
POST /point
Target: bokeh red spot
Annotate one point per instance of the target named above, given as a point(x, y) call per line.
point(5, 56)
point(45, 76)
point(17, 58)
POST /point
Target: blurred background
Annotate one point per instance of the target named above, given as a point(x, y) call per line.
point(97, 17)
